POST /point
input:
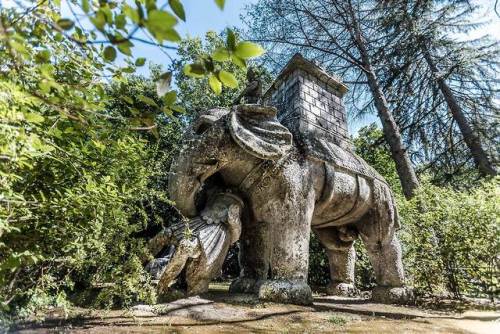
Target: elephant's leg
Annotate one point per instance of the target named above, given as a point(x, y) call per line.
point(290, 253)
point(341, 258)
point(378, 232)
point(254, 255)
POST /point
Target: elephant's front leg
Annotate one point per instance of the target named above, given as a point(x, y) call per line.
point(254, 256)
point(339, 246)
point(290, 252)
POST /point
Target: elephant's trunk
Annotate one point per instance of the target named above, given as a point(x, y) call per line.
point(182, 190)
point(187, 176)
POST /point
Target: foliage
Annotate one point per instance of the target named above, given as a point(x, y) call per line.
point(319, 271)
point(446, 127)
point(232, 50)
point(370, 145)
point(79, 183)
point(76, 177)
point(194, 94)
point(451, 239)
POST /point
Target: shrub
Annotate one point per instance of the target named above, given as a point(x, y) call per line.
point(451, 239)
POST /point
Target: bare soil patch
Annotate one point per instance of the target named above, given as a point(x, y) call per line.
point(220, 312)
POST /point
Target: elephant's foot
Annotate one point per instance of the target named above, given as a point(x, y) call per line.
point(243, 285)
point(286, 291)
point(392, 295)
point(341, 289)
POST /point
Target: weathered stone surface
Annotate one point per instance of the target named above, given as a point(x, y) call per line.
point(392, 295)
point(309, 101)
point(341, 289)
point(290, 182)
point(200, 246)
point(286, 291)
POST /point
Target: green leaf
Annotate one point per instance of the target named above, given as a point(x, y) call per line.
point(127, 99)
point(107, 13)
point(246, 50)
point(151, 5)
point(160, 21)
point(140, 61)
point(44, 86)
point(178, 9)
point(241, 63)
point(170, 98)
point(85, 6)
point(231, 40)
point(167, 111)
point(194, 70)
point(124, 47)
point(163, 83)
point(109, 53)
point(215, 84)
point(220, 4)
point(178, 109)
point(99, 20)
point(228, 79)
point(65, 24)
point(128, 69)
point(33, 118)
point(18, 46)
point(221, 54)
point(149, 101)
point(43, 56)
point(171, 35)
point(131, 13)
point(120, 21)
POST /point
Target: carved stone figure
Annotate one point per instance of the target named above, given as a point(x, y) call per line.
point(287, 191)
point(252, 93)
point(243, 171)
point(200, 245)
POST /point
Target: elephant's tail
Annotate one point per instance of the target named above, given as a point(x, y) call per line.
point(397, 223)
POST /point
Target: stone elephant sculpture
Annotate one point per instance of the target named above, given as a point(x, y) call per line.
point(286, 194)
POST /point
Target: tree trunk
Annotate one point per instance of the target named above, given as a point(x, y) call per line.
point(471, 139)
point(392, 135)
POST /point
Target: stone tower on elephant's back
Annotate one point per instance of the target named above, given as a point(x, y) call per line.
point(309, 102)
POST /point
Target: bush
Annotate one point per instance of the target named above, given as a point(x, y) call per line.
point(450, 239)
point(78, 183)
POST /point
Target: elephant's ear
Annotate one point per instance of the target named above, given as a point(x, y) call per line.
point(256, 129)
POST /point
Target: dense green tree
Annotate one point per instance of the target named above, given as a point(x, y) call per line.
point(71, 180)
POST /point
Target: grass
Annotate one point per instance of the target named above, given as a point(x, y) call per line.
point(337, 320)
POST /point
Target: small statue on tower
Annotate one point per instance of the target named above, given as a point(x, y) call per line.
point(252, 93)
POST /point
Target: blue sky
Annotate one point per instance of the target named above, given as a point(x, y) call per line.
point(201, 16)
point(204, 15)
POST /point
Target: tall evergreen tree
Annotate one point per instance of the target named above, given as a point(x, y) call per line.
point(445, 87)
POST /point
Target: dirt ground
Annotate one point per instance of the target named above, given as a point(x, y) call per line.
point(220, 312)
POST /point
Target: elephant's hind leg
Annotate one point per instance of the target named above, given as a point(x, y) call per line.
point(341, 259)
point(378, 232)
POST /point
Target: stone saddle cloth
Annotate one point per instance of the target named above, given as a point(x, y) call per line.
point(324, 150)
point(345, 199)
